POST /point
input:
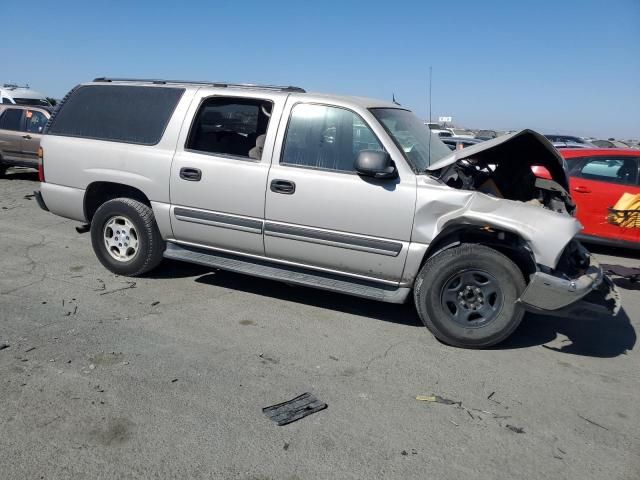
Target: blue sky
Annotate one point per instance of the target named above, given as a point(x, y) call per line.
point(557, 66)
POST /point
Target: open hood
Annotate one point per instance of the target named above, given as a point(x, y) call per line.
point(526, 146)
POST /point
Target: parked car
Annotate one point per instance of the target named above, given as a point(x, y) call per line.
point(568, 140)
point(461, 133)
point(486, 134)
point(610, 144)
point(571, 145)
point(598, 178)
point(272, 182)
point(16, 95)
point(457, 143)
point(21, 129)
point(439, 130)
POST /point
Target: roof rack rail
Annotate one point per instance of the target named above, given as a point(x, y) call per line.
point(281, 88)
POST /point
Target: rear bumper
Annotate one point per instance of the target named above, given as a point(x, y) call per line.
point(551, 294)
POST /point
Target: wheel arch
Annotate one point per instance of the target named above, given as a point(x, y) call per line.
point(98, 193)
point(509, 244)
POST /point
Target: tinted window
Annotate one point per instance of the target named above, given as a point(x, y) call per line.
point(11, 119)
point(231, 126)
point(325, 137)
point(35, 121)
point(609, 169)
point(130, 114)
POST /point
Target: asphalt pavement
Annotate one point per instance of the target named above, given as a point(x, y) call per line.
point(165, 376)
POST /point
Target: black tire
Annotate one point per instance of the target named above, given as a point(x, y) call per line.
point(452, 273)
point(3, 169)
point(150, 243)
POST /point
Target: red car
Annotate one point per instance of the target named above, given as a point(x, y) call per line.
point(598, 178)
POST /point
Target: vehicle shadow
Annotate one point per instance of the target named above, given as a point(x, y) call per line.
point(393, 313)
point(612, 251)
point(599, 336)
point(175, 269)
point(22, 174)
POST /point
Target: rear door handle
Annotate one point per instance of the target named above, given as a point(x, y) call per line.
point(191, 174)
point(27, 136)
point(286, 187)
point(582, 189)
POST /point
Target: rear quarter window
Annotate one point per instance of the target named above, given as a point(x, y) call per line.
point(118, 113)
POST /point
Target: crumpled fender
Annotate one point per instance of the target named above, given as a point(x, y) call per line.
point(439, 207)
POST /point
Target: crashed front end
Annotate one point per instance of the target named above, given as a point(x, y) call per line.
point(492, 186)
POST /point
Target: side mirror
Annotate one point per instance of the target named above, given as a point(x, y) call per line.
point(374, 163)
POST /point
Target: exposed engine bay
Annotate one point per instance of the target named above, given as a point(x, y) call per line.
point(502, 168)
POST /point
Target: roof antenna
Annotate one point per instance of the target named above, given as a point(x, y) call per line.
point(393, 96)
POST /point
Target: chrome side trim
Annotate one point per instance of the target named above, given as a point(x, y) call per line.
point(285, 262)
point(216, 219)
point(334, 239)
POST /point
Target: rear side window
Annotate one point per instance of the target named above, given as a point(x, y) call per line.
point(11, 119)
point(119, 113)
point(35, 121)
point(609, 169)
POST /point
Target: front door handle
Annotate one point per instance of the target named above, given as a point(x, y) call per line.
point(191, 174)
point(582, 189)
point(27, 136)
point(287, 187)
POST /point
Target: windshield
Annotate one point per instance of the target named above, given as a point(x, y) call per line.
point(420, 147)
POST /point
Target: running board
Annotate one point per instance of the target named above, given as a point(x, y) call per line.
point(287, 273)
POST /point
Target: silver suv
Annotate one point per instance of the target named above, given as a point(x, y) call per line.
point(346, 194)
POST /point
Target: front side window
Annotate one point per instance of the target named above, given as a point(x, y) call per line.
point(11, 119)
point(420, 147)
point(231, 126)
point(324, 137)
point(609, 169)
point(35, 121)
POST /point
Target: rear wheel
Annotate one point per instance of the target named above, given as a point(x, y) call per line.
point(125, 237)
point(3, 169)
point(466, 296)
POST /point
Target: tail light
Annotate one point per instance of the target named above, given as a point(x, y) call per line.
point(40, 164)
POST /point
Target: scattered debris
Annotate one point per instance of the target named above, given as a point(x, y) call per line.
point(52, 360)
point(129, 286)
point(436, 399)
point(514, 428)
point(30, 349)
point(331, 357)
point(404, 452)
point(491, 395)
point(29, 196)
point(285, 447)
point(592, 422)
point(454, 423)
point(102, 286)
point(92, 367)
point(3, 346)
point(174, 380)
point(155, 303)
point(294, 409)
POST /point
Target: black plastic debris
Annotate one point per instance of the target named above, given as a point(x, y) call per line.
point(514, 429)
point(294, 409)
point(3, 346)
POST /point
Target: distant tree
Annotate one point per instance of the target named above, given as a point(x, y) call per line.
point(52, 101)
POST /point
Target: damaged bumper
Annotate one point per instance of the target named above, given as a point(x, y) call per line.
point(592, 291)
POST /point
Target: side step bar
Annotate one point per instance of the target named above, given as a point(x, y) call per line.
point(287, 273)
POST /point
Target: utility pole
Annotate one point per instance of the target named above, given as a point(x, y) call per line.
point(430, 75)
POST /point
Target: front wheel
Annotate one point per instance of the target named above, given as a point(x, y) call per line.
point(466, 296)
point(125, 237)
